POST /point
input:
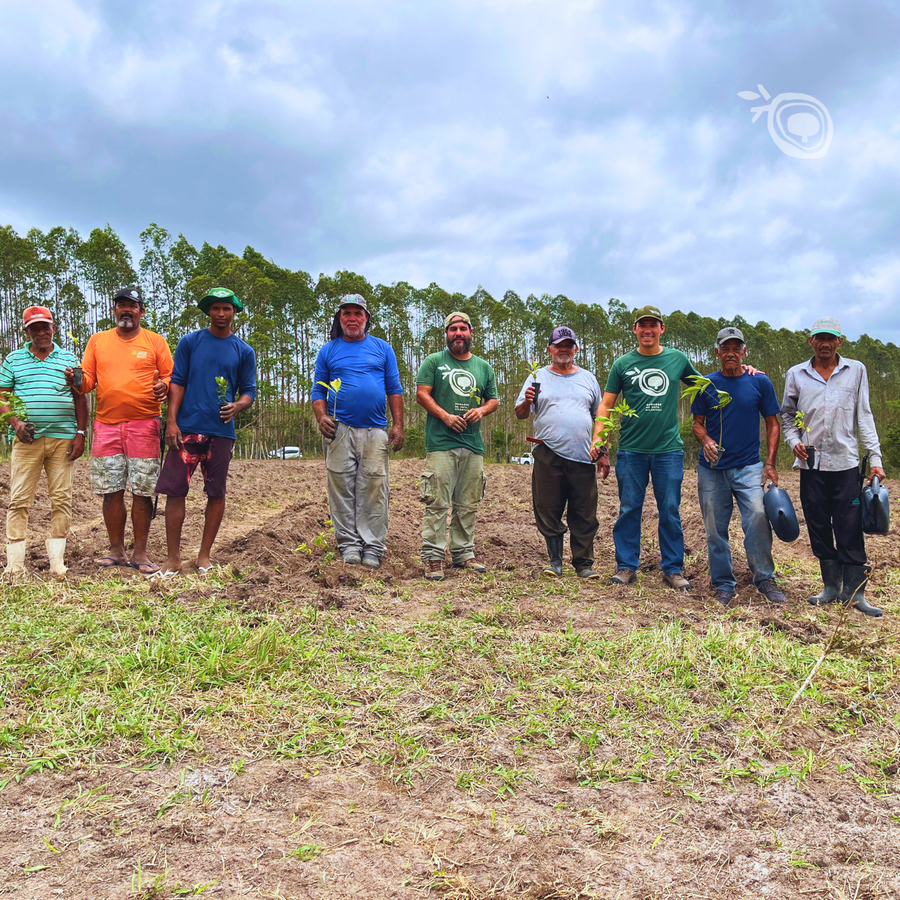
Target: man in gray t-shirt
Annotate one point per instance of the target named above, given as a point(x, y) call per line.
point(563, 474)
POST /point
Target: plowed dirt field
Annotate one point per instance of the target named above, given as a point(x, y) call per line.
point(291, 727)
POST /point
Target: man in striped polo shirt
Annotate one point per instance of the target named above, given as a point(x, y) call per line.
point(36, 375)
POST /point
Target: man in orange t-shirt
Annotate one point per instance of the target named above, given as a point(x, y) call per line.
point(130, 368)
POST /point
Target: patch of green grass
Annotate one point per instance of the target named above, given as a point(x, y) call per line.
point(106, 671)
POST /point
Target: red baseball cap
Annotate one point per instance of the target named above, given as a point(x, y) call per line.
point(37, 314)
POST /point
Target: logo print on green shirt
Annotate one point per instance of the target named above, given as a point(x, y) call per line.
point(653, 382)
point(462, 382)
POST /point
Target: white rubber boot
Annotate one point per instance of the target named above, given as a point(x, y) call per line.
point(15, 559)
point(56, 550)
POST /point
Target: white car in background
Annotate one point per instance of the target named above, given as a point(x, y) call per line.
point(526, 459)
point(286, 453)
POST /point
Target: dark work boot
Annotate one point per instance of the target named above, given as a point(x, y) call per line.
point(555, 552)
point(855, 578)
point(831, 575)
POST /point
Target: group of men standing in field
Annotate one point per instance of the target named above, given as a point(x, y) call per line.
point(132, 371)
point(213, 377)
point(458, 389)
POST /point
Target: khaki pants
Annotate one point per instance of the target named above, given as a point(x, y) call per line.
point(357, 465)
point(451, 477)
point(50, 454)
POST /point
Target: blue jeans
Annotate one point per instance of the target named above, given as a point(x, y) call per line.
point(633, 471)
point(718, 488)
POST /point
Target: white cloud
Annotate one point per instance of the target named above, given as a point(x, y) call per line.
point(590, 148)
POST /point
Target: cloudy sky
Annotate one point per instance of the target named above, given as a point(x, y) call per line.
point(595, 149)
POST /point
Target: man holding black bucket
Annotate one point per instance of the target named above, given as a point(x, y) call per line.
point(832, 393)
point(563, 473)
point(213, 380)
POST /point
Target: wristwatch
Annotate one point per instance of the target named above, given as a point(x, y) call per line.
point(82, 433)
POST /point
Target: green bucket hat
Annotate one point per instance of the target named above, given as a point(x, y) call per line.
point(220, 295)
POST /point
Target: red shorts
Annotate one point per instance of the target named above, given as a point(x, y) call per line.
point(138, 439)
point(212, 454)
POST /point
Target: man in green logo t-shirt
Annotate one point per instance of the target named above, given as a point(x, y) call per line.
point(650, 447)
point(457, 390)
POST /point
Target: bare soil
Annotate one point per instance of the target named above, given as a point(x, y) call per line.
point(267, 827)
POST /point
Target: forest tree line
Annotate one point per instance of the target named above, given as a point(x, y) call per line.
point(288, 316)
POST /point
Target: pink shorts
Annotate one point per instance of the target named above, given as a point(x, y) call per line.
point(136, 440)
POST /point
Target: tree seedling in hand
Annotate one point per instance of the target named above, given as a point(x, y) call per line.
point(77, 371)
point(222, 390)
point(17, 410)
point(534, 367)
point(698, 385)
point(475, 395)
point(800, 422)
point(334, 387)
point(610, 424)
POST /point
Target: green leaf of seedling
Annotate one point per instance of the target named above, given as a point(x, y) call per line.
point(800, 421)
point(698, 385)
point(609, 424)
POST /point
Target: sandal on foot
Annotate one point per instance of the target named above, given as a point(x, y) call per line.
point(110, 562)
point(147, 568)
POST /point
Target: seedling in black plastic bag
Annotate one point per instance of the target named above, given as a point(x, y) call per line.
point(698, 385)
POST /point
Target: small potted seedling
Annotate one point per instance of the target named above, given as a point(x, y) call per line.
point(17, 409)
point(77, 371)
point(222, 390)
point(610, 424)
point(800, 422)
point(698, 385)
point(334, 387)
point(534, 368)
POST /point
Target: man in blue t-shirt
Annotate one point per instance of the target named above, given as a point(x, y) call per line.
point(213, 380)
point(730, 468)
point(354, 373)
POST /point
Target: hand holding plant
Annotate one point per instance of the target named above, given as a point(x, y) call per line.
point(25, 430)
point(473, 414)
point(327, 424)
point(610, 424)
point(698, 385)
point(804, 451)
point(77, 371)
point(222, 390)
point(534, 368)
